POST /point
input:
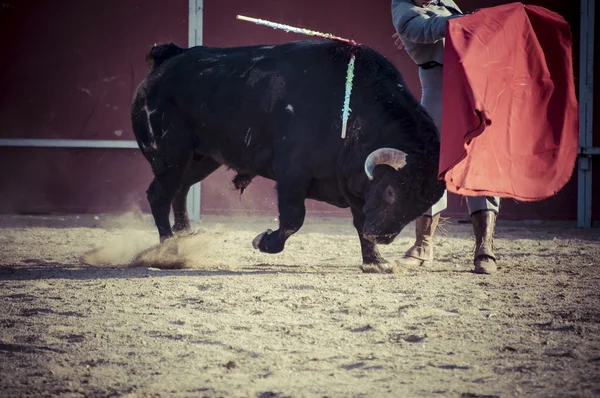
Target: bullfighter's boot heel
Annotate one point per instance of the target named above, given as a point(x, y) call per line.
point(484, 223)
point(421, 253)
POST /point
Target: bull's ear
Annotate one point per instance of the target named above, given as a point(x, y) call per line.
point(390, 156)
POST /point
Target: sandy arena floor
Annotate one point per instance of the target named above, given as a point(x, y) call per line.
point(305, 323)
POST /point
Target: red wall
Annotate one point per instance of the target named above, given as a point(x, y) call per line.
point(70, 68)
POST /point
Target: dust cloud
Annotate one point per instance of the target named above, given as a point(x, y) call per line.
point(135, 244)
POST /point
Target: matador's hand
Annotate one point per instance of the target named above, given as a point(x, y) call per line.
point(398, 43)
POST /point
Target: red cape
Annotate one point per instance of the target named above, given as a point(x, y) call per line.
point(510, 115)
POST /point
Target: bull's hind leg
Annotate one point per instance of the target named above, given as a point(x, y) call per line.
point(197, 170)
point(171, 157)
point(291, 194)
point(160, 195)
point(372, 260)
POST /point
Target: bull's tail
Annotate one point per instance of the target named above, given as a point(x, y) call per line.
point(159, 53)
point(142, 128)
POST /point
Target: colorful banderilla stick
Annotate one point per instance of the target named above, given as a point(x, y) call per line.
point(349, 76)
point(346, 109)
point(293, 29)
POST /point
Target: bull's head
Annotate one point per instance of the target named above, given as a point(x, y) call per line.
point(389, 203)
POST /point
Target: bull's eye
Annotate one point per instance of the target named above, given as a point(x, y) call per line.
point(389, 195)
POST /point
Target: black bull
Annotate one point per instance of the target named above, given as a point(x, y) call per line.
point(275, 112)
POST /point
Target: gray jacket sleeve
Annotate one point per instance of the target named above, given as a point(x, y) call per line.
point(417, 25)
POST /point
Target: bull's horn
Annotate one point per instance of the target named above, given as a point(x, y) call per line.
point(390, 156)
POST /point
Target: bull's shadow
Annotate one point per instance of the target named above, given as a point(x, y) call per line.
point(125, 272)
point(53, 271)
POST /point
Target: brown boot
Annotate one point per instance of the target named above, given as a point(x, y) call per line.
point(421, 253)
point(484, 223)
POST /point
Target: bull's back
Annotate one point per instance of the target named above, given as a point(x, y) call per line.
point(245, 104)
point(244, 100)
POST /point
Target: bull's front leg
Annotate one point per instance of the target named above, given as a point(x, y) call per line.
point(373, 262)
point(291, 195)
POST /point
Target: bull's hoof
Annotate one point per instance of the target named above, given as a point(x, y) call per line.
point(165, 237)
point(259, 238)
point(269, 242)
point(181, 227)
